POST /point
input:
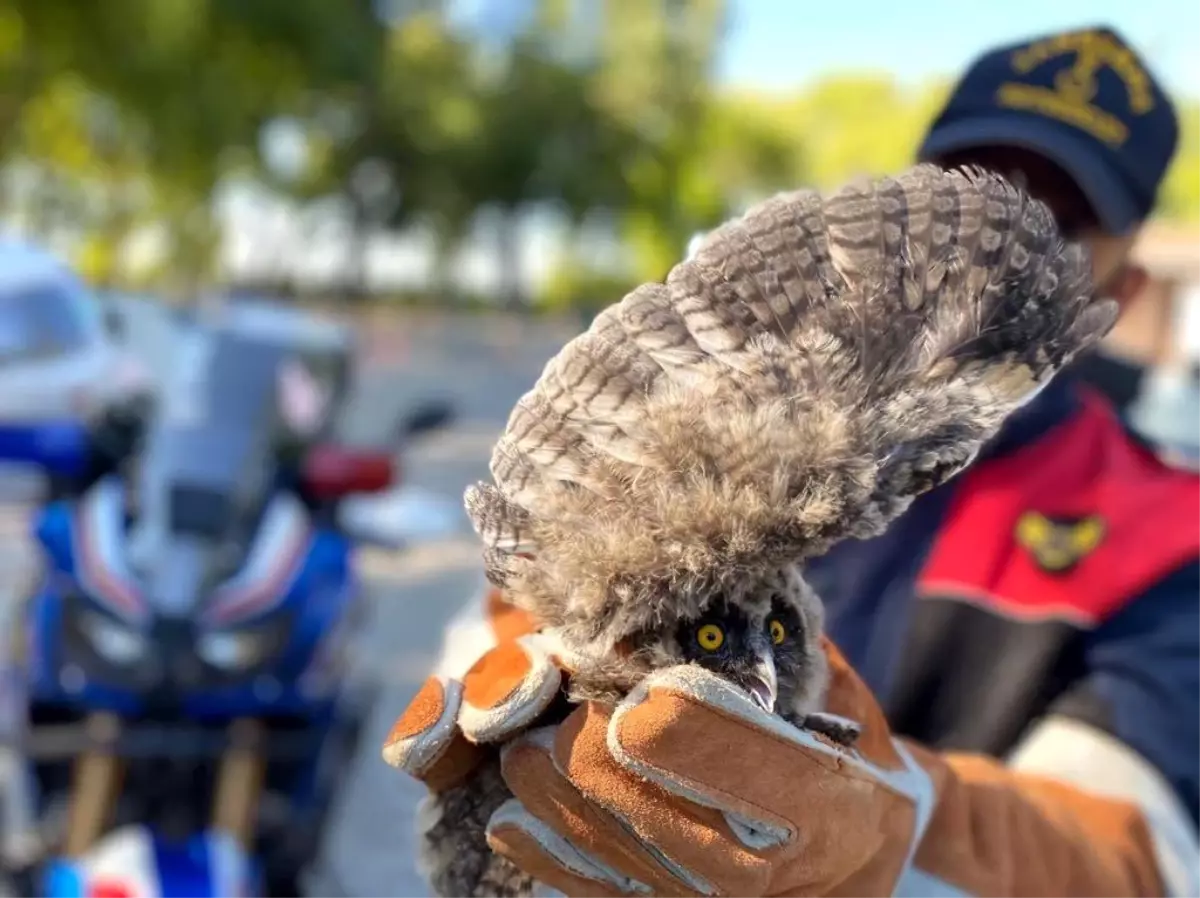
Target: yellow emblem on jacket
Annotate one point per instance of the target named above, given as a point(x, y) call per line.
point(1059, 545)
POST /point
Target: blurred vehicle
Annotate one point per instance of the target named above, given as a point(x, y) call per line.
point(57, 358)
point(177, 708)
point(145, 328)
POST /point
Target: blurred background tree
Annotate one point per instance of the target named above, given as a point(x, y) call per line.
point(126, 125)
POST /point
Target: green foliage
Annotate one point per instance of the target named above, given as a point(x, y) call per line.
point(578, 288)
point(123, 119)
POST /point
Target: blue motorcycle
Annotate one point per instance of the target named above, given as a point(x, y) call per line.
point(175, 713)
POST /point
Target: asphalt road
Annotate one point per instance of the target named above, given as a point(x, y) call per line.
point(482, 370)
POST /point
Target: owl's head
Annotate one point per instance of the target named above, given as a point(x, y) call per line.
point(765, 654)
point(764, 639)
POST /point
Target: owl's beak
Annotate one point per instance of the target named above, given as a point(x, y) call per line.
point(763, 683)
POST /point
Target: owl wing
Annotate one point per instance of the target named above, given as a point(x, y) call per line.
point(814, 366)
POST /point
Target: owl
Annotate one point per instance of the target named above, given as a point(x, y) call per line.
point(811, 369)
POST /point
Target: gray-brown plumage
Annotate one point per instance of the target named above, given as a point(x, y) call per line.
point(814, 367)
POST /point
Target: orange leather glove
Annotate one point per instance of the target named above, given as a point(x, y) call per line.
point(688, 788)
point(439, 737)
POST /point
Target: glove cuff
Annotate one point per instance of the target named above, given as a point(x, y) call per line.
point(996, 831)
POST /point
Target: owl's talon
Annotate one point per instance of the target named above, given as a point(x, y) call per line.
point(840, 729)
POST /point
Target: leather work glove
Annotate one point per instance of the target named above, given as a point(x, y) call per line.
point(439, 737)
point(689, 788)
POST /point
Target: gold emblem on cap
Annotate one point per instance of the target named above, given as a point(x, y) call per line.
point(1070, 100)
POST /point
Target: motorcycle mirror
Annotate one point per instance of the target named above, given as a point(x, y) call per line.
point(333, 472)
point(429, 417)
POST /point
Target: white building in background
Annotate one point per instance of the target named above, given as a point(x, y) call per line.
point(1161, 330)
point(268, 236)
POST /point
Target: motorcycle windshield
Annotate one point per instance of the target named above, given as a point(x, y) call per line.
point(207, 468)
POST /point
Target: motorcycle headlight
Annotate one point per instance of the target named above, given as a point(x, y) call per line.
point(234, 650)
point(113, 641)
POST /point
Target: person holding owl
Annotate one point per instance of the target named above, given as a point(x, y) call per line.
point(998, 688)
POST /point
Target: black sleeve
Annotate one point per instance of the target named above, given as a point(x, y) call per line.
point(1143, 681)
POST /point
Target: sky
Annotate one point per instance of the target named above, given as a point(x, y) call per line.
point(779, 45)
point(784, 44)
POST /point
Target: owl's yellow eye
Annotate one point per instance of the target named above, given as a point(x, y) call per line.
point(778, 632)
point(710, 637)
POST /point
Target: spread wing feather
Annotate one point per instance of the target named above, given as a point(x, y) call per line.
point(817, 364)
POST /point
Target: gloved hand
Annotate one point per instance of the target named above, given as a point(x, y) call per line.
point(688, 788)
point(438, 737)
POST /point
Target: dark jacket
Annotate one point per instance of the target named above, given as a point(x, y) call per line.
point(1059, 574)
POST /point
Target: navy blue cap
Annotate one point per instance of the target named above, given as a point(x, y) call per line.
point(1085, 101)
